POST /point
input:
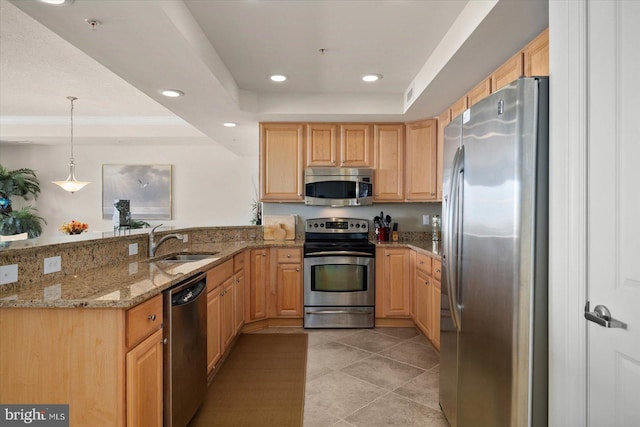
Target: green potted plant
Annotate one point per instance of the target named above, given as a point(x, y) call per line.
point(24, 183)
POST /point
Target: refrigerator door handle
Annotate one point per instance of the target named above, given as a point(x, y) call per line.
point(452, 243)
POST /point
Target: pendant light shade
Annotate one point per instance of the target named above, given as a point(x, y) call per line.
point(71, 184)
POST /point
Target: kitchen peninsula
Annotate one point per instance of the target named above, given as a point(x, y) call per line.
point(91, 335)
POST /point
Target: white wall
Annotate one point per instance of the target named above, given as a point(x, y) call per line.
point(211, 186)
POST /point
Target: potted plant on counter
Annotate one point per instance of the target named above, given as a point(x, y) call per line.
point(24, 183)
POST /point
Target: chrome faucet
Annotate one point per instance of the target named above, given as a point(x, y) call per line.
point(153, 246)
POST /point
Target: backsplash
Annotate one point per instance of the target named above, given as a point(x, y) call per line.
point(89, 254)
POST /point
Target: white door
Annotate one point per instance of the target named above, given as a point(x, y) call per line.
point(613, 267)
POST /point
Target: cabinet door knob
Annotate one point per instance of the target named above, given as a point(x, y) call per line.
point(163, 341)
point(426, 282)
point(264, 254)
point(288, 255)
point(151, 317)
point(297, 269)
point(437, 270)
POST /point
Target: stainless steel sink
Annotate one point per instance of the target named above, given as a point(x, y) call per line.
point(188, 257)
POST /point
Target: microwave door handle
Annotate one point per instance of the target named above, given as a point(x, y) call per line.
point(358, 191)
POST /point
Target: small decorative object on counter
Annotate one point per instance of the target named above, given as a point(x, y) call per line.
point(394, 232)
point(435, 228)
point(74, 227)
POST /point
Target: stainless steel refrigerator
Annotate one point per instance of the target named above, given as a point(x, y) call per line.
point(493, 352)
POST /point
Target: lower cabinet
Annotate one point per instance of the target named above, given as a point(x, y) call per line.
point(424, 317)
point(393, 284)
point(256, 308)
point(427, 294)
point(214, 331)
point(144, 382)
point(288, 283)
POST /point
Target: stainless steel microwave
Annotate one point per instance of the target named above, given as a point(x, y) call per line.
point(338, 186)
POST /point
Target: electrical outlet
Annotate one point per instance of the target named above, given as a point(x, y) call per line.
point(185, 238)
point(133, 249)
point(425, 219)
point(52, 264)
point(53, 292)
point(8, 274)
point(133, 268)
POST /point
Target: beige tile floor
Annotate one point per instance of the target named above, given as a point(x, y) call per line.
point(370, 377)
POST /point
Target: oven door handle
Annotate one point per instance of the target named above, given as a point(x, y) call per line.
point(347, 253)
point(338, 312)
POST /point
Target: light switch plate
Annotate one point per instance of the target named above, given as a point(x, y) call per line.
point(133, 249)
point(8, 274)
point(52, 264)
point(185, 238)
point(425, 219)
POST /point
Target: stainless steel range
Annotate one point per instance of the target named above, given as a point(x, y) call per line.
point(339, 274)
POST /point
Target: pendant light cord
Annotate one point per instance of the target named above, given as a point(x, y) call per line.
point(71, 98)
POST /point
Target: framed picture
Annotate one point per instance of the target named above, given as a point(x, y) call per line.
point(147, 187)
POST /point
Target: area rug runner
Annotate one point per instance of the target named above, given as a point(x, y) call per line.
point(260, 384)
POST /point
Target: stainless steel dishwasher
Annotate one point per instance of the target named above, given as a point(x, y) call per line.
point(185, 353)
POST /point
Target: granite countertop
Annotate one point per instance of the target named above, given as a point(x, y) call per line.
point(428, 247)
point(126, 284)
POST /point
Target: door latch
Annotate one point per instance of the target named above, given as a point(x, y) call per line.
point(602, 316)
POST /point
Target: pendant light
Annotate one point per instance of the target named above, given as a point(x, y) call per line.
point(71, 184)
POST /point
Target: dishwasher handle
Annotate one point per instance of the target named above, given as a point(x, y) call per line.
point(188, 291)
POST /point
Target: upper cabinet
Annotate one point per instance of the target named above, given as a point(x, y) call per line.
point(388, 182)
point(443, 120)
point(421, 161)
point(459, 106)
point(479, 92)
point(322, 145)
point(536, 56)
point(281, 165)
point(508, 72)
point(356, 146)
point(346, 145)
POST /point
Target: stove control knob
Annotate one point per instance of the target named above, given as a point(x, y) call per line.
point(315, 225)
point(357, 225)
point(322, 224)
point(364, 226)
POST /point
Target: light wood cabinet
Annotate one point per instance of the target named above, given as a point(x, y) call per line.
point(507, 72)
point(214, 329)
point(436, 295)
point(356, 146)
point(80, 357)
point(393, 282)
point(423, 314)
point(536, 56)
point(479, 92)
point(281, 162)
point(220, 311)
point(322, 145)
point(427, 294)
point(239, 262)
point(388, 163)
point(458, 107)
point(288, 282)
point(421, 161)
point(145, 382)
point(443, 120)
point(258, 285)
point(228, 310)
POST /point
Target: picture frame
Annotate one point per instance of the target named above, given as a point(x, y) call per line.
point(147, 187)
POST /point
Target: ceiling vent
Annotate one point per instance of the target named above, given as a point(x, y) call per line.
point(409, 94)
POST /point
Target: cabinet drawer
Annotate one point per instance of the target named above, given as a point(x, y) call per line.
point(423, 263)
point(143, 319)
point(437, 269)
point(238, 262)
point(289, 255)
point(219, 274)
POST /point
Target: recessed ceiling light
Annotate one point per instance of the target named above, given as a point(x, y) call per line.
point(371, 77)
point(57, 2)
point(229, 124)
point(172, 93)
point(278, 77)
